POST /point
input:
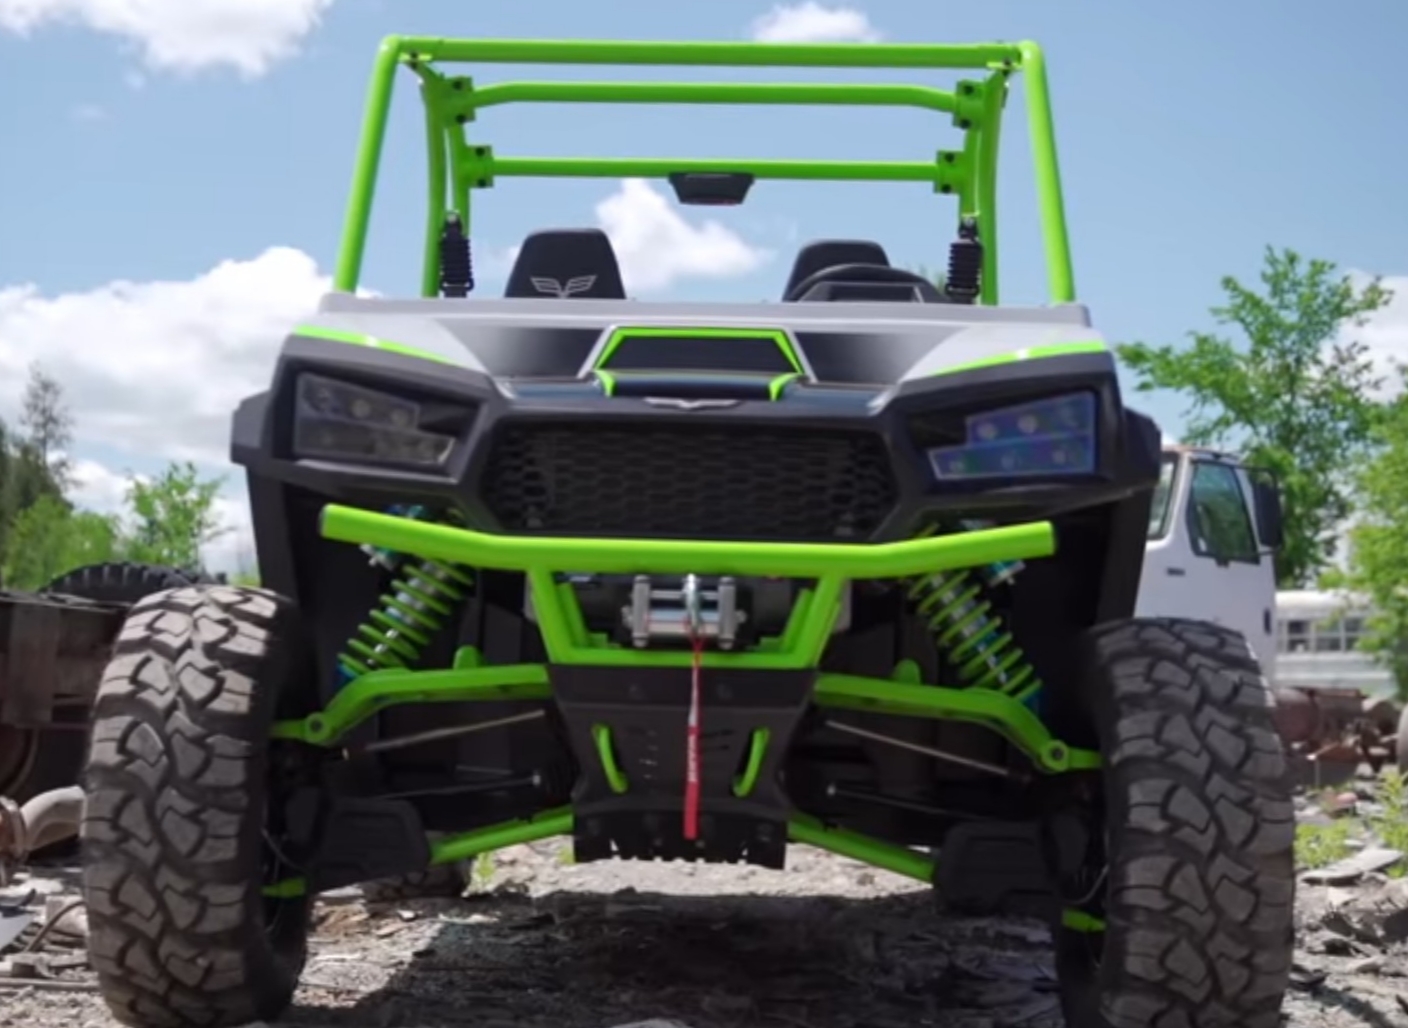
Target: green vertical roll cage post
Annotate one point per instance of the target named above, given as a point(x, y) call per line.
point(456, 166)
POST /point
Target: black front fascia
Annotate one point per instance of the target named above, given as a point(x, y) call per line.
point(646, 712)
point(1127, 463)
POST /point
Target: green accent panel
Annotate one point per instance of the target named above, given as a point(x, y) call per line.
point(884, 855)
point(779, 385)
point(667, 556)
point(455, 166)
point(779, 338)
point(338, 335)
point(1003, 714)
point(1030, 353)
point(1080, 921)
point(757, 750)
point(369, 693)
point(606, 753)
point(606, 380)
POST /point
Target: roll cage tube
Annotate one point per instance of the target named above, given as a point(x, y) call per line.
point(456, 166)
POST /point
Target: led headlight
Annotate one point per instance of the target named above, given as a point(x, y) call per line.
point(338, 421)
point(1047, 437)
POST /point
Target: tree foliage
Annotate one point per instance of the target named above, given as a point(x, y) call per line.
point(1378, 554)
point(173, 516)
point(42, 536)
point(48, 425)
point(1294, 395)
point(51, 538)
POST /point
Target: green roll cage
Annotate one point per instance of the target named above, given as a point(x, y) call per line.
point(456, 166)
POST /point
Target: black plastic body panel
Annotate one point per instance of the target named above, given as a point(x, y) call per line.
point(1127, 460)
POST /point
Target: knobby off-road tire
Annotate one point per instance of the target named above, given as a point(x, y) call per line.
point(122, 582)
point(1199, 834)
point(175, 858)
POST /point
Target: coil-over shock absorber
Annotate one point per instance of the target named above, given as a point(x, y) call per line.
point(957, 608)
point(421, 597)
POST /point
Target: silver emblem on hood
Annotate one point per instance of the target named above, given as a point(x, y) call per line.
point(679, 403)
point(562, 290)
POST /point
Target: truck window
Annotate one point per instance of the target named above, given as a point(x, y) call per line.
point(1163, 494)
point(1218, 519)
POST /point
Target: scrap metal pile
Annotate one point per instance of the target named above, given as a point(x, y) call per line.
point(1332, 731)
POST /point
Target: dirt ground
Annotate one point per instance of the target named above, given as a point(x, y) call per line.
point(542, 943)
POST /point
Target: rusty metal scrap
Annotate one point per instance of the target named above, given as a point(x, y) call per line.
point(52, 653)
point(48, 818)
point(1337, 726)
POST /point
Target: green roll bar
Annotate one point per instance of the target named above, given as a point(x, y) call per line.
point(456, 166)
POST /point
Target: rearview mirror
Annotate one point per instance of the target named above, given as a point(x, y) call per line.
point(1270, 518)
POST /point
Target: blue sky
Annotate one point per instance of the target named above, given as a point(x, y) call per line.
point(1191, 135)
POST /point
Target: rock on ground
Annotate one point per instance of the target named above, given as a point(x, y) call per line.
point(829, 943)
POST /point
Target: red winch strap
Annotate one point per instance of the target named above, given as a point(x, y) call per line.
point(691, 744)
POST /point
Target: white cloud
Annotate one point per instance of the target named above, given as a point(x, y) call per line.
point(657, 246)
point(157, 368)
point(1385, 332)
point(97, 487)
point(153, 371)
point(183, 35)
point(89, 112)
point(812, 22)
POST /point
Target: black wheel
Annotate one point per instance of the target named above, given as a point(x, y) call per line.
point(1191, 871)
point(121, 582)
point(183, 813)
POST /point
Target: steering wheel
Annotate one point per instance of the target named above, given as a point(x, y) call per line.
point(865, 273)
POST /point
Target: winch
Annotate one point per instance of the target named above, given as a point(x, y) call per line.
point(690, 610)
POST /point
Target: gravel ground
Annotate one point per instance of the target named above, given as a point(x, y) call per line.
point(829, 943)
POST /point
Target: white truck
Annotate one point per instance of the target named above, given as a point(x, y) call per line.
point(1214, 528)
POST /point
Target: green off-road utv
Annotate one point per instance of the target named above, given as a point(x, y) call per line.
point(688, 581)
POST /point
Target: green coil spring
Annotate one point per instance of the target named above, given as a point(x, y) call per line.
point(955, 607)
point(417, 603)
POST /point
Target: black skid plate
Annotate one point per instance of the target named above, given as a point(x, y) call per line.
point(646, 711)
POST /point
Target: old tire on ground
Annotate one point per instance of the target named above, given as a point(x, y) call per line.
point(179, 798)
point(121, 581)
point(1402, 747)
point(1198, 836)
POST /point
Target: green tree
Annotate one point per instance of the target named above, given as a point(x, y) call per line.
point(50, 537)
point(173, 516)
point(48, 425)
point(1378, 550)
point(1294, 397)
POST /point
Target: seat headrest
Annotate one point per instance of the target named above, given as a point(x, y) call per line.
point(827, 253)
point(578, 263)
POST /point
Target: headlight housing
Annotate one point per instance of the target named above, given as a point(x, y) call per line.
point(1052, 436)
point(336, 420)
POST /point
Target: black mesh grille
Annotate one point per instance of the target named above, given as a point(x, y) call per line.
point(696, 483)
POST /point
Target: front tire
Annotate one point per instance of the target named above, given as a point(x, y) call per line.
point(179, 793)
point(1198, 835)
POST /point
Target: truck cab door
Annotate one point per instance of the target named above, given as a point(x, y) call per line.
point(1238, 573)
point(1203, 558)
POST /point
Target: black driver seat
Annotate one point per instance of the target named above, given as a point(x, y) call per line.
point(828, 253)
point(576, 263)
